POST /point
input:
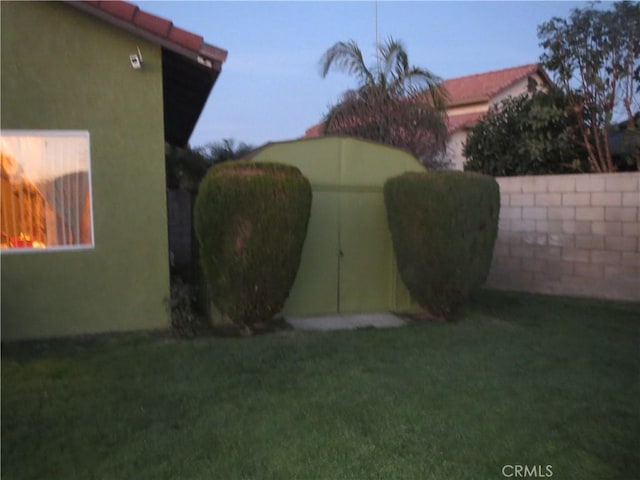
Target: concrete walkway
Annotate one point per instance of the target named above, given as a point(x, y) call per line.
point(345, 321)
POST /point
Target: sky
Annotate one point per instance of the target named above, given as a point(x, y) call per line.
point(270, 88)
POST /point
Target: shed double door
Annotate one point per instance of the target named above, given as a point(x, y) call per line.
point(347, 263)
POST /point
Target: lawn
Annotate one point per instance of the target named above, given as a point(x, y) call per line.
point(547, 383)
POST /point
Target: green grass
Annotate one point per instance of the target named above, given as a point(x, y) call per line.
point(517, 379)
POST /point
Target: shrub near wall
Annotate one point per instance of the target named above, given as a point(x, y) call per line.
point(444, 226)
point(251, 221)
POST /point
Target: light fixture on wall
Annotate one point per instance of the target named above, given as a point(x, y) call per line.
point(136, 60)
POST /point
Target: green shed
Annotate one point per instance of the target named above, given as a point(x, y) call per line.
point(347, 263)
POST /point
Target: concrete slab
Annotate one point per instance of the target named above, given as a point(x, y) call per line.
point(345, 321)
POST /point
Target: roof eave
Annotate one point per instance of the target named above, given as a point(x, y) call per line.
point(183, 54)
point(208, 56)
point(466, 102)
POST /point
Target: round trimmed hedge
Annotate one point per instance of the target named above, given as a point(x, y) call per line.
point(251, 222)
point(443, 227)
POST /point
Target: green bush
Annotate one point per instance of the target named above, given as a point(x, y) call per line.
point(251, 222)
point(444, 226)
point(526, 136)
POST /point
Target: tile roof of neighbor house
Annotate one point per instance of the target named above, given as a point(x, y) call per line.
point(483, 86)
point(469, 89)
point(190, 67)
point(458, 122)
point(480, 88)
point(316, 131)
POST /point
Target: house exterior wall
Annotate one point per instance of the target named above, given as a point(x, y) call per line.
point(569, 235)
point(65, 70)
point(455, 147)
point(518, 88)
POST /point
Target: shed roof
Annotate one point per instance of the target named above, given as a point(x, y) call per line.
point(340, 162)
point(190, 67)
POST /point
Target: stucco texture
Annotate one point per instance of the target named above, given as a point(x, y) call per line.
point(65, 70)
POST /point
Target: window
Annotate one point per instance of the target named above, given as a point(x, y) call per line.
point(46, 190)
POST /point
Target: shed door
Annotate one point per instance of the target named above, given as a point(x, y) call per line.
point(366, 254)
point(347, 260)
point(315, 288)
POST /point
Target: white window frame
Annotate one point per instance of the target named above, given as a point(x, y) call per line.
point(58, 248)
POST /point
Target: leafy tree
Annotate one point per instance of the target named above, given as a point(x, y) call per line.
point(526, 136)
point(187, 166)
point(395, 103)
point(595, 56)
point(217, 152)
point(625, 144)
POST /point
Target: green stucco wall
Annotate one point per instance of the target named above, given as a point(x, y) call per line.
point(347, 262)
point(65, 70)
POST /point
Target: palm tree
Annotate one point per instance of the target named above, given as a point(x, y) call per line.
point(187, 166)
point(225, 150)
point(395, 103)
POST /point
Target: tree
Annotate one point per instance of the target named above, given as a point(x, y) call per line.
point(395, 103)
point(187, 166)
point(217, 152)
point(625, 144)
point(595, 56)
point(526, 136)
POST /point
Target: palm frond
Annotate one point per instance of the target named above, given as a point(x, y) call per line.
point(395, 59)
point(346, 57)
point(395, 103)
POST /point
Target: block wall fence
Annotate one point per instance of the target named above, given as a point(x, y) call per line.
point(569, 235)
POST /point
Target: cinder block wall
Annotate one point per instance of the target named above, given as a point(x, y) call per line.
point(569, 235)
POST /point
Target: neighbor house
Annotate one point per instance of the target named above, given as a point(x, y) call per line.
point(470, 98)
point(91, 91)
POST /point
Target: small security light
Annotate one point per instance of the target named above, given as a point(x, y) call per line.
point(136, 60)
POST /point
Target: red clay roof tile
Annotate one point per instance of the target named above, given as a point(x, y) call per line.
point(486, 85)
point(124, 10)
point(186, 39)
point(316, 131)
point(458, 122)
point(152, 23)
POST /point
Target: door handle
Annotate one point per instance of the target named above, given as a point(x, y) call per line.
point(340, 253)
